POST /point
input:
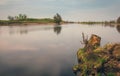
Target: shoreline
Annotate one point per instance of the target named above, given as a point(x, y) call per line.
point(33, 23)
point(26, 24)
point(52, 23)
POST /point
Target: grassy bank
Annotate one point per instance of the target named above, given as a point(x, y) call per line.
point(91, 22)
point(27, 21)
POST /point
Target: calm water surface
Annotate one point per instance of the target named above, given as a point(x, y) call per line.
point(46, 50)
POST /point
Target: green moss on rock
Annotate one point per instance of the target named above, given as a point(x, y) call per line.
point(100, 61)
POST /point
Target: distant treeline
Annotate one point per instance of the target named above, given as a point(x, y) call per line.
point(102, 22)
point(23, 19)
point(90, 22)
point(93, 22)
point(28, 20)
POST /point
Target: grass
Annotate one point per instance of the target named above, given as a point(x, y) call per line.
point(110, 74)
point(29, 20)
point(91, 22)
point(45, 20)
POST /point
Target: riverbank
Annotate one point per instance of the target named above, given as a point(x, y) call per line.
point(48, 21)
point(101, 23)
point(29, 21)
point(25, 23)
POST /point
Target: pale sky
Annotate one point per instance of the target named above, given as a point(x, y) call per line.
point(74, 10)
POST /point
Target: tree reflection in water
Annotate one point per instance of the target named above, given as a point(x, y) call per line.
point(118, 28)
point(57, 29)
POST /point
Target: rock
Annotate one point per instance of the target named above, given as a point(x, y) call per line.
point(116, 51)
point(94, 60)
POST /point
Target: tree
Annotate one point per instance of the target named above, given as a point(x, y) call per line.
point(24, 16)
point(20, 17)
point(118, 20)
point(57, 19)
point(16, 18)
point(10, 18)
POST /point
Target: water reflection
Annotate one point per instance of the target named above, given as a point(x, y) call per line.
point(19, 30)
point(11, 30)
point(109, 25)
point(26, 29)
point(118, 28)
point(57, 29)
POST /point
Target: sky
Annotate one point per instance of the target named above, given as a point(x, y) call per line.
point(70, 10)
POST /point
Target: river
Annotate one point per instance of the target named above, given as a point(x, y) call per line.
point(46, 50)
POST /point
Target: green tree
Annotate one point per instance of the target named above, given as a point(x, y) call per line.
point(24, 16)
point(20, 17)
point(57, 19)
point(16, 18)
point(10, 18)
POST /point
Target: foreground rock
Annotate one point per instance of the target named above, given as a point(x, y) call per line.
point(94, 60)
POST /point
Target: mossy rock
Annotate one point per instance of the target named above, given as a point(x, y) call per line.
point(94, 60)
point(116, 52)
point(98, 58)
